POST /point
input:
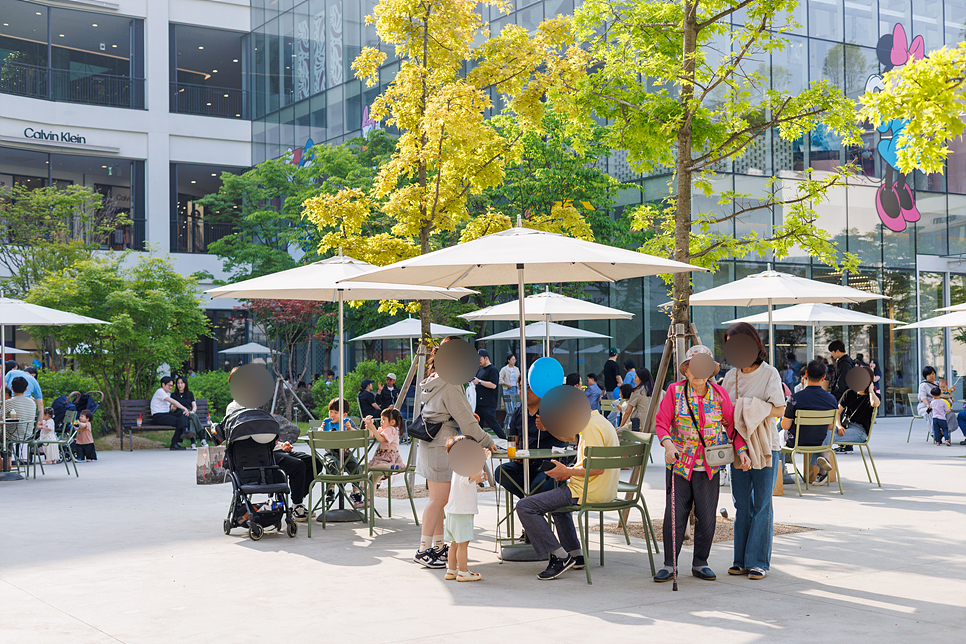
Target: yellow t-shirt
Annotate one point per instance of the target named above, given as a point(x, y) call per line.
point(603, 487)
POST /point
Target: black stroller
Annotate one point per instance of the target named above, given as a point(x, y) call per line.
point(250, 435)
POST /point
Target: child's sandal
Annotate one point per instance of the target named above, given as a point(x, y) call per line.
point(450, 574)
point(469, 576)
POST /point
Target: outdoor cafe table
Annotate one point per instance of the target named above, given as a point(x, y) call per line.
point(518, 551)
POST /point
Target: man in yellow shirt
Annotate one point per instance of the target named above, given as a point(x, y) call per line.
point(566, 553)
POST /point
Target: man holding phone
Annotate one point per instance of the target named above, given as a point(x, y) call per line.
point(510, 474)
point(566, 553)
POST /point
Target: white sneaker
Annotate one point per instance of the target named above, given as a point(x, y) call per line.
point(204, 443)
point(193, 446)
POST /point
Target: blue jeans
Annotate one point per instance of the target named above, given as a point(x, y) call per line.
point(940, 429)
point(511, 406)
point(752, 492)
point(961, 421)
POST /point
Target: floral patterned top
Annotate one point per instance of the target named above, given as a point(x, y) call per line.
point(714, 413)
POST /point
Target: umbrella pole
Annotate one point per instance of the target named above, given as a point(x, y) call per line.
point(771, 336)
point(524, 413)
point(546, 328)
point(341, 515)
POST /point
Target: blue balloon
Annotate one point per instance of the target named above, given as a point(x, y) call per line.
point(544, 375)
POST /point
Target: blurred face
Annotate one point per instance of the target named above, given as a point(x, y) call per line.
point(696, 383)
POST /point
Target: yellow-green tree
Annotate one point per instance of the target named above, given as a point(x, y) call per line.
point(448, 149)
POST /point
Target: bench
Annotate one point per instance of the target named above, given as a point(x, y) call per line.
point(132, 409)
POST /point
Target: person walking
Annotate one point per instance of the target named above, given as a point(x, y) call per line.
point(486, 381)
point(759, 399)
point(510, 381)
point(445, 403)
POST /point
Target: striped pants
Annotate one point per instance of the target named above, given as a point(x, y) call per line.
point(701, 493)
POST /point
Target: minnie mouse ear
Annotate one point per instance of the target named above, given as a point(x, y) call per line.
point(883, 51)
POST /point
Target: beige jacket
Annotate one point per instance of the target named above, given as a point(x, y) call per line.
point(753, 421)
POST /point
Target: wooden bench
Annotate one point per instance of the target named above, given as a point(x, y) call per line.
point(132, 409)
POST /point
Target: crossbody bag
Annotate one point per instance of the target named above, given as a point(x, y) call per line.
point(716, 455)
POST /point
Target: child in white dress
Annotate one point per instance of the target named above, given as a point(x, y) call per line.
point(458, 524)
point(47, 433)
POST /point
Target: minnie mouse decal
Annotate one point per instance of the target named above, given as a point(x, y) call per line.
point(894, 200)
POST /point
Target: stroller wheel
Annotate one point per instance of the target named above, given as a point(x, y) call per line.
point(255, 531)
point(291, 529)
point(227, 526)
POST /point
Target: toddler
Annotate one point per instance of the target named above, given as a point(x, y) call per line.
point(346, 462)
point(84, 443)
point(387, 456)
point(458, 524)
point(51, 452)
point(939, 407)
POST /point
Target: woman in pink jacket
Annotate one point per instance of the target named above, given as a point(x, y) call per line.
point(693, 414)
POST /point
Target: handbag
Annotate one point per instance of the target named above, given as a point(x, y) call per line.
point(423, 430)
point(717, 455)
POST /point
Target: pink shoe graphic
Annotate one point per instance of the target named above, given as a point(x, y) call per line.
point(887, 205)
point(907, 204)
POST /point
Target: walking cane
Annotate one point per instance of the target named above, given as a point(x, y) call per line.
point(674, 537)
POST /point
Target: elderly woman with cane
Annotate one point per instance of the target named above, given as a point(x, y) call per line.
point(756, 389)
point(695, 427)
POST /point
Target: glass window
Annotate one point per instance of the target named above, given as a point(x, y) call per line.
point(23, 41)
point(825, 19)
point(286, 135)
point(302, 70)
point(352, 29)
point(927, 17)
point(336, 117)
point(192, 228)
point(353, 106)
point(319, 119)
point(790, 67)
point(957, 226)
point(860, 22)
point(701, 203)
point(931, 227)
point(899, 372)
point(955, 23)
point(259, 73)
point(207, 72)
point(317, 27)
point(303, 122)
point(335, 63)
point(559, 8)
point(272, 56)
point(272, 133)
point(23, 167)
point(531, 17)
point(956, 165)
point(865, 228)
point(892, 12)
point(933, 340)
point(286, 32)
point(754, 221)
point(797, 16)
point(832, 216)
point(258, 140)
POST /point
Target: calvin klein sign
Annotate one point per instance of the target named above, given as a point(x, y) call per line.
point(62, 137)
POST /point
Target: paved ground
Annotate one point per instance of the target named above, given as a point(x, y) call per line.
point(133, 551)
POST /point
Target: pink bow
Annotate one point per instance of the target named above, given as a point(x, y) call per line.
point(900, 55)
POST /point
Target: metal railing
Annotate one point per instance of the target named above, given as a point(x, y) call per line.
point(71, 86)
point(194, 236)
point(203, 100)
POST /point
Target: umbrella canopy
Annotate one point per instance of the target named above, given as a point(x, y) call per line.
point(409, 329)
point(14, 350)
point(954, 307)
point(525, 256)
point(549, 307)
point(542, 329)
point(950, 320)
point(769, 288)
point(247, 349)
point(20, 313)
point(321, 282)
point(815, 314)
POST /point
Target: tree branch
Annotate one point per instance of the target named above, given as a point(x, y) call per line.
point(727, 12)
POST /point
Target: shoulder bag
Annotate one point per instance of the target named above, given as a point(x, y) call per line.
point(716, 455)
point(423, 430)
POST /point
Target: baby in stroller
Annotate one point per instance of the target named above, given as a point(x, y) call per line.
point(251, 435)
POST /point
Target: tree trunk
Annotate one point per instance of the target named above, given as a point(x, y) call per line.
point(682, 169)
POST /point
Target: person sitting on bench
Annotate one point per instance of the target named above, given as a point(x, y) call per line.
point(162, 411)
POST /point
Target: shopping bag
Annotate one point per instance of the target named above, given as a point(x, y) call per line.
point(211, 465)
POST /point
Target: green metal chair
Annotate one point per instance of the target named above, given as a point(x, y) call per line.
point(406, 472)
point(631, 455)
point(20, 433)
point(865, 444)
point(67, 436)
point(356, 440)
point(809, 417)
point(628, 437)
point(914, 406)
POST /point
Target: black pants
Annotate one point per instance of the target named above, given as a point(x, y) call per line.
point(488, 419)
point(298, 468)
point(85, 451)
point(179, 421)
point(701, 493)
point(510, 476)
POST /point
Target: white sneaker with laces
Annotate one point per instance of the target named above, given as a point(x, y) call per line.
point(204, 443)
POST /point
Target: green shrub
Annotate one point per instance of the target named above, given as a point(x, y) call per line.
point(54, 384)
point(369, 369)
point(213, 386)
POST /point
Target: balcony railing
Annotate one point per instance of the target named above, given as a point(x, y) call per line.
point(71, 86)
point(194, 236)
point(203, 100)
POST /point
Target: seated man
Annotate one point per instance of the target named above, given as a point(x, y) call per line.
point(165, 410)
point(812, 398)
point(25, 411)
point(510, 474)
point(566, 553)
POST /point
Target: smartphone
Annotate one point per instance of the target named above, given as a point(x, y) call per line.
point(546, 466)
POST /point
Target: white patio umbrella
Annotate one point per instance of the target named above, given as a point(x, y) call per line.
point(815, 314)
point(550, 330)
point(409, 329)
point(20, 313)
point(322, 281)
point(549, 307)
point(949, 320)
point(251, 349)
point(953, 308)
point(769, 288)
point(15, 351)
point(526, 256)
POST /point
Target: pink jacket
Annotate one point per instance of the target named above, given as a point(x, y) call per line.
point(690, 446)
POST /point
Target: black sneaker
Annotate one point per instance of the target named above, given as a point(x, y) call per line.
point(579, 562)
point(822, 476)
point(442, 553)
point(357, 500)
point(330, 496)
point(428, 559)
point(556, 567)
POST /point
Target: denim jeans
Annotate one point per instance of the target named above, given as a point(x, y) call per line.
point(510, 405)
point(940, 430)
point(752, 493)
point(530, 512)
point(961, 421)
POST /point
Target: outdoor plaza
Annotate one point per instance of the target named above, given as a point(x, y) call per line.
point(132, 551)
